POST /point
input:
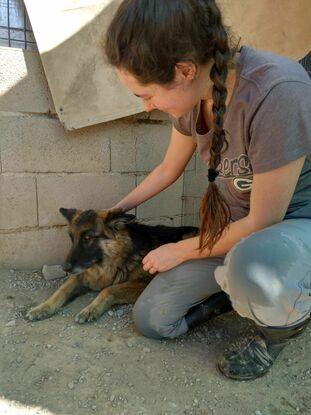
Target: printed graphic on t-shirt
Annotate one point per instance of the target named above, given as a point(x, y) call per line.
point(243, 184)
point(239, 170)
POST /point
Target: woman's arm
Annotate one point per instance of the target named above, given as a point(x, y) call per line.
point(270, 197)
point(179, 152)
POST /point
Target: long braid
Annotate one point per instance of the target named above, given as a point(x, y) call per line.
point(214, 210)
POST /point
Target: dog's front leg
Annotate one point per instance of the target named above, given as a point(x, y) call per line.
point(69, 289)
point(125, 293)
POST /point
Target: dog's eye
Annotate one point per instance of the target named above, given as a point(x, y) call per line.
point(87, 238)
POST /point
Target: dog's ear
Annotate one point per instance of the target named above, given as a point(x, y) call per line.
point(108, 215)
point(68, 213)
point(116, 219)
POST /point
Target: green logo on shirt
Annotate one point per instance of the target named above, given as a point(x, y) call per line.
point(243, 184)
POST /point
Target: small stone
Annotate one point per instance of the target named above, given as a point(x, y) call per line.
point(71, 385)
point(12, 271)
point(146, 350)
point(258, 412)
point(129, 343)
point(10, 323)
point(49, 346)
point(53, 272)
point(110, 313)
point(19, 359)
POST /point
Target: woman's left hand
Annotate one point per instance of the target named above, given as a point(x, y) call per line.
point(162, 259)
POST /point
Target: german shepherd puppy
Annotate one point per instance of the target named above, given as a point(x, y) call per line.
point(106, 256)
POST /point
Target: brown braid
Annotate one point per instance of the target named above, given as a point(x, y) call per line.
point(148, 38)
point(214, 210)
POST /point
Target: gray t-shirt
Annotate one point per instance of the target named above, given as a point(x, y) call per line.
point(267, 124)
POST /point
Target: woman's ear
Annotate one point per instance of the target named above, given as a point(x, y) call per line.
point(185, 71)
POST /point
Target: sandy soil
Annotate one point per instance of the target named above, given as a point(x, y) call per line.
point(59, 367)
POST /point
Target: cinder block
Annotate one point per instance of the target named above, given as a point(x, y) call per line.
point(177, 220)
point(83, 191)
point(18, 201)
point(191, 220)
point(123, 151)
point(195, 184)
point(128, 149)
point(191, 205)
point(39, 144)
point(200, 167)
point(196, 205)
point(34, 248)
point(188, 205)
point(151, 144)
point(167, 203)
point(191, 164)
point(23, 86)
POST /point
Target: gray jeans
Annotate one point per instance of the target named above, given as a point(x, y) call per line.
point(267, 276)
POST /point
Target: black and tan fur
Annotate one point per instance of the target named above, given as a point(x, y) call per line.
point(106, 256)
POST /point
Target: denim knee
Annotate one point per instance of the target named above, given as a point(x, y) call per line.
point(253, 271)
point(262, 276)
point(255, 277)
point(159, 311)
point(141, 317)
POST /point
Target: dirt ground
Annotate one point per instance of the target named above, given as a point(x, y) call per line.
point(57, 367)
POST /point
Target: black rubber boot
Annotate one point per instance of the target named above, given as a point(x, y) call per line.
point(257, 357)
point(213, 306)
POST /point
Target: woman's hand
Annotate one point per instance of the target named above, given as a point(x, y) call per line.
point(163, 258)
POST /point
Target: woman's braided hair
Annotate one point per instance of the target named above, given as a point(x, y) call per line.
point(148, 38)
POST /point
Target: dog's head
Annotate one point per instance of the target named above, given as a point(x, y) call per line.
point(94, 235)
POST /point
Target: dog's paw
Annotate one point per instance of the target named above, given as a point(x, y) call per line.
point(39, 313)
point(87, 315)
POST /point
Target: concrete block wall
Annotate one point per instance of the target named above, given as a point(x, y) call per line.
point(195, 184)
point(43, 167)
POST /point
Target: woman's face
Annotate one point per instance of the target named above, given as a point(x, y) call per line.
point(176, 99)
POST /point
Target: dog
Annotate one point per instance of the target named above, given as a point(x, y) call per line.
point(106, 256)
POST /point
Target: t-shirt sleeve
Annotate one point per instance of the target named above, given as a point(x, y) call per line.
point(182, 124)
point(280, 131)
